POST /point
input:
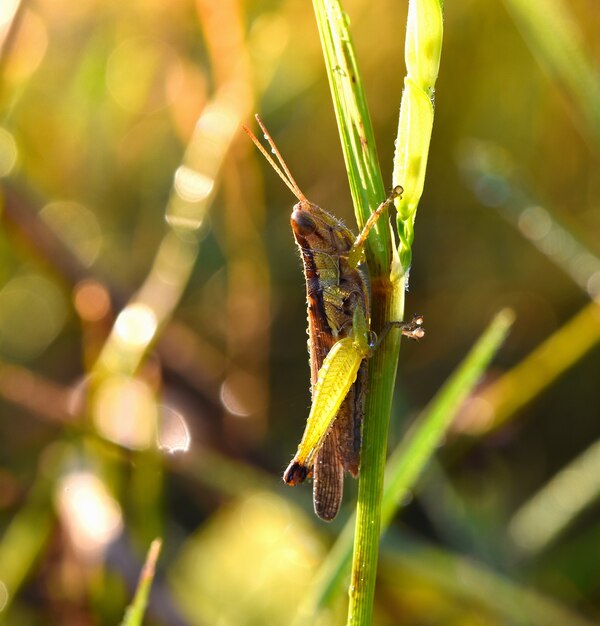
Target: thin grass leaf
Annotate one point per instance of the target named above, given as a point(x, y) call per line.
point(194, 186)
point(539, 369)
point(557, 44)
point(463, 578)
point(407, 463)
point(135, 611)
point(550, 511)
point(354, 125)
point(411, 456)
point(424, 34)
point(489, 171)
point(24, 540)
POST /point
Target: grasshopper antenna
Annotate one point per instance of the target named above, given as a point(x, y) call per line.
point(283, 172)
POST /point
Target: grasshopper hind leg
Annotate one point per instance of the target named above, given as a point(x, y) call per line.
point(328, 479)
point(340, 451)
point(350, 426)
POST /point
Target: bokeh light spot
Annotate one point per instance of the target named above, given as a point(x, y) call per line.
point(173, 261)
point(271, 507)
point(90, 515)
point(125, 412)
point(29, 48)
point(92, 300)
point(475, 416)
point(535, 223)
point(593, 285)
point(269, 35)
point(558, 244)
point(8, 9)
point(3, 596)
point(136, 325)
point(254, 545)
point(173, 434)
point(238, 394)
point(23, 299)
point(192, 186)
point(144, 75)
point(584, 266)
point(8, 152)
point(77, 227)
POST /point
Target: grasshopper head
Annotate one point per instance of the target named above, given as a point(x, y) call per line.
point(316, 229)
point(304, 219)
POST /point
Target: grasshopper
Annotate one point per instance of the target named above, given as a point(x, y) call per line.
point(337, 295)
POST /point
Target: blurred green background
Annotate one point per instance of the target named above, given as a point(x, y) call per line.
point(153, 372)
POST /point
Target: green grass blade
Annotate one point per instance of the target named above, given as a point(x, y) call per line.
point(463, 578)
point(424, 34)
point(411, 456)
point(407, 463)
point(24, 540)
point(354, 125)
point(490, 173)
point(550, 511)
point(135, 612)
point(539, 369)
point(556, 43)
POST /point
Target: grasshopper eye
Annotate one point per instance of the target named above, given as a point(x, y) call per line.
point(303, 223)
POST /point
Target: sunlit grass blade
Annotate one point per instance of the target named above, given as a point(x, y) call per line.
point(489, 171)
point(551, 32)
point(135, 612)
point(537, 371)
point(424, 34)
point(194, 186)
point(354, 125)
point(24, 540)
point(408, 461)
point(550, 511)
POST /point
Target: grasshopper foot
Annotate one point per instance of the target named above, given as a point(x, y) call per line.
point(413, 329)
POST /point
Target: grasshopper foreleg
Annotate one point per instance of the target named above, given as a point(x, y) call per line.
point(356, 252)
point(413, 330)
